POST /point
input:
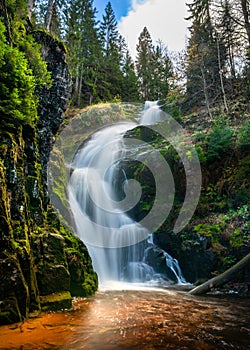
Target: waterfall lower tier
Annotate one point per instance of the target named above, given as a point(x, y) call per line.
point(117, 244)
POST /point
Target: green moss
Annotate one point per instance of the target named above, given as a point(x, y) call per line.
point(56, 301)
point(89, 285)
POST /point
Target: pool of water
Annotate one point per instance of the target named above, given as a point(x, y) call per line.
point(140, 319)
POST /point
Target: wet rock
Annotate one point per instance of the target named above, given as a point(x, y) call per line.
point(56, 301)
point(52, 279)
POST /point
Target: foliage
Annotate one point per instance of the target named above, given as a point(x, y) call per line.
point(218, 142)
point(244, 136)
point(17, 85)
point(211, 231)
point(32, 50)
point(113, 47)
point(130, 84)
point(170, 105)
point(154, 68)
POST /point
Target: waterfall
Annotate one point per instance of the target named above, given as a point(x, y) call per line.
point(152, 113)
point(116, 243)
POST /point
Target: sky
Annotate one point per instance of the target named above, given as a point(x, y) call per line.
point(163, 18)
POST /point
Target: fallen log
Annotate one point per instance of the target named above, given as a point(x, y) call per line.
point(223, 278)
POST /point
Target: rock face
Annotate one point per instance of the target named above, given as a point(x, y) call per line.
point(52, 102)
point(41, 264)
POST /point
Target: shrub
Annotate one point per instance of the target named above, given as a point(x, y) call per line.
point(243, 139)
point(218, 142)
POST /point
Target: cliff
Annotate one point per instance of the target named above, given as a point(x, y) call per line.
point(42, 266)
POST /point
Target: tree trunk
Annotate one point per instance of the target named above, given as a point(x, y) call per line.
point(246, 15)
point(221, 74)
point(205, 90)
point(80, 86)
point(49, 15)
point(4, 14)
point(222, 278)
point(30, 6)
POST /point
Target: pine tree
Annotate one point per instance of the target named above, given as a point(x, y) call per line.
point(144, 64)
point(162, 71)
point(129, 82)
point(84, 52)
point(203, 78)
point(227, 30)
point(108, 31)
point(245, 6)
point(112, 45)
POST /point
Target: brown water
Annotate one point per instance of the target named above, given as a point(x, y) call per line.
point(142, 319)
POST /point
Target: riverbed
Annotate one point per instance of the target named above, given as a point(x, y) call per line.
point(140, 319)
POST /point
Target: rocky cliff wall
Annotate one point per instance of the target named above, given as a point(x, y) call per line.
point(41, 264)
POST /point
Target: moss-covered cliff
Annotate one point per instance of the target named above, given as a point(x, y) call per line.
point(42, 266)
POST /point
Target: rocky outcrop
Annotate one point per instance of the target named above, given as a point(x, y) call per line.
point(52, 102)
point(41, 264)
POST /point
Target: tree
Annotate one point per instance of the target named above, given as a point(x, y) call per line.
point(227, 29)
point(153, 67)
point(129, 83)
point(144, 64)
point(222, 278)
point(108, 31)
point(30, 6)
point(203, 71)
point(112, 46)
point(84, 52)
point(245, 5)
point(49, 15)
point(5, 16)
point(162, 71)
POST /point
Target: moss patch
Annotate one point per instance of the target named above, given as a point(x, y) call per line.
point(56, 301)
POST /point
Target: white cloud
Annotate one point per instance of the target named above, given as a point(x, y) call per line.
point(163, 18)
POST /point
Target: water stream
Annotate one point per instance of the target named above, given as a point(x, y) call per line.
point(117, 244)
point(139, 320)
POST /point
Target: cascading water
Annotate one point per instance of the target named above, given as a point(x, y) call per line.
point(152, 113)
point(110, 235)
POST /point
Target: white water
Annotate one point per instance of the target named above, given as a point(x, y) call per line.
point(110, 235)
point(152, 113)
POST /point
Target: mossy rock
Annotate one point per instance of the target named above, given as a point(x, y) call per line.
point(56, 301)
point(53, 248)
point(13, 284)
point(53, 279)
point(9, 311)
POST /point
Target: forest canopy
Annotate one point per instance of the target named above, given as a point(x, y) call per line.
point(212, 70)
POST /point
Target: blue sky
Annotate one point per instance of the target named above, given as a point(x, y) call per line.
point(165, 20)
point(120, 7)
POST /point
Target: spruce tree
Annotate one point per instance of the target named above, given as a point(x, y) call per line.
point(144, 67)
point(203, 78)
point(112, 46)
point(162, 71)
point(227, 29)
point(84, 52)
point(130, 82)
